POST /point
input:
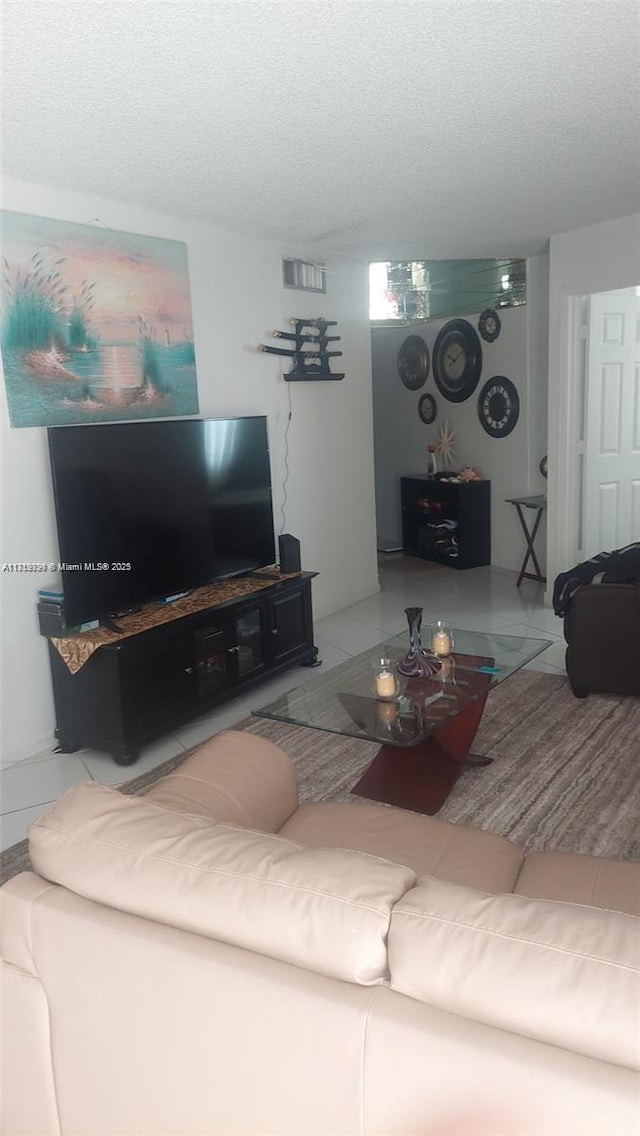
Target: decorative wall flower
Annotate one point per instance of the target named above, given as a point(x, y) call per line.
point(446, 443)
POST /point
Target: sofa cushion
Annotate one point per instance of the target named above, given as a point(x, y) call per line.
point(235, 777)
point(430, 846)
point(556, 972)
point(574, 878)
point(323, 909)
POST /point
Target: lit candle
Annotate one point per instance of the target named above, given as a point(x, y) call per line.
point(385, 684)
point(441, 643)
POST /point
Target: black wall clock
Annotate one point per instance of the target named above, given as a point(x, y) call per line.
point(457, 360)
point(498, 406)
point(414, 362)
point(489, 325)
point(427, 408)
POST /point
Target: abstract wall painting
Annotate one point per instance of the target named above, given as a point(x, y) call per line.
point(96, 324)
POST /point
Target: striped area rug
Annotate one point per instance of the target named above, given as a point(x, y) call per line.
point(565, 775)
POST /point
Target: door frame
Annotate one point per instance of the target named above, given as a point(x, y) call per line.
point(608, 526)
point(564, 489)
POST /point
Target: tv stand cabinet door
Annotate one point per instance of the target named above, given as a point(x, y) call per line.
point(291, 623)
point(247, 656)
point(89, 703)
point(159, 677)
point(127, 693)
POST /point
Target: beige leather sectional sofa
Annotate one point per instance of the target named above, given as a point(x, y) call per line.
point(214, 957)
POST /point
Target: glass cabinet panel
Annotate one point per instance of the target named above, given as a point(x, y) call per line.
point(248, 646)
point(211, 656)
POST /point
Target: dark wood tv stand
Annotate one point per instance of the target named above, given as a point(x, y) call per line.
point(194, 655)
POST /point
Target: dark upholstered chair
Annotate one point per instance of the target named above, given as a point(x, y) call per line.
point(602, 630)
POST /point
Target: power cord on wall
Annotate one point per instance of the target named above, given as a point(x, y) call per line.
point(286, 462)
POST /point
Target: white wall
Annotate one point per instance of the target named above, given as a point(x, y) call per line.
point(237, 299)
point(511, 463)
point(598, 258)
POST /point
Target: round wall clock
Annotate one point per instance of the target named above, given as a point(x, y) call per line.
point(543, 466)
point(489, 325)
point(414, 362)
point(427, 408)
point(498, 406)
point(457, 360)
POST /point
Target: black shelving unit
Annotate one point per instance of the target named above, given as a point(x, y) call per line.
point(447, 522)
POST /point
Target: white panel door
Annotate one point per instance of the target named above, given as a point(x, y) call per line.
point(611, 509)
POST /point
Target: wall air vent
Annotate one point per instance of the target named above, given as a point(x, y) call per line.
point(303, 275)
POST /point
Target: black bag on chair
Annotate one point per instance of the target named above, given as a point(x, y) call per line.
point(619, 567)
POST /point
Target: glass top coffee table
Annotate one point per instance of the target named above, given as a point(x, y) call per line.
point(427, 730)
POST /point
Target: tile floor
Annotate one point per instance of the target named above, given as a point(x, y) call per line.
point(478, 599)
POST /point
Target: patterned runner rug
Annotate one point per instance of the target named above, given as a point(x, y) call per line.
point(565, 776)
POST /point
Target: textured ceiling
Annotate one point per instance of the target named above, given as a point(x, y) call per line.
point(417, 128)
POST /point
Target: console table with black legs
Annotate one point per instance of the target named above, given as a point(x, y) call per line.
point(539, 504)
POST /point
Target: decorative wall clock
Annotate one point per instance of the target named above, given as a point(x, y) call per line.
point(414, 362)
point(543, 466)
point(489, 325)
point(457, 360)
point(427, 408)
point(498, 406)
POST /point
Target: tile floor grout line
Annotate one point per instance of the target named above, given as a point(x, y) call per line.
point(33, 805)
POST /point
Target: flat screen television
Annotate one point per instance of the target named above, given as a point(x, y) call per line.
point(145, 510)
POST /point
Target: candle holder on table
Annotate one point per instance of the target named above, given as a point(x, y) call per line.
point(418, 662)
point(385, 682)
point(441, 638)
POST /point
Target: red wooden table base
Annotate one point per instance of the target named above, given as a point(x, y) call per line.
point(421, 777)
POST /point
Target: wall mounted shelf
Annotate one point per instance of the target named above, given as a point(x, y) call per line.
point(308, 350)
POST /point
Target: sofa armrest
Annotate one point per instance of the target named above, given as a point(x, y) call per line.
point(598, 607)
point(17, 900)
point(29, 1101)
point(235, 777)
point(602, 630)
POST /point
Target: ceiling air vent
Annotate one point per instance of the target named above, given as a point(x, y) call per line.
point(303, 275)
